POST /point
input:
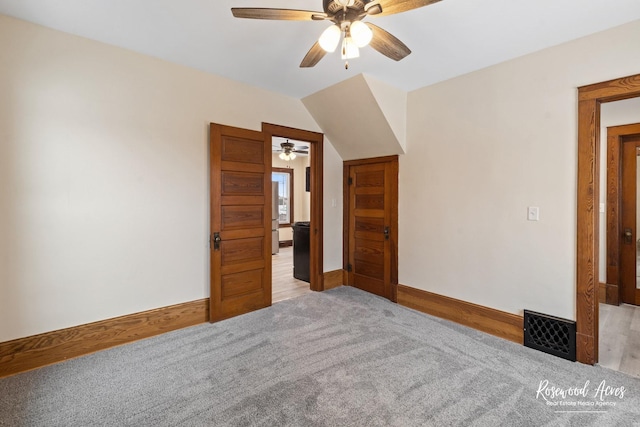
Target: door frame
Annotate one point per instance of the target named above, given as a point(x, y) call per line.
point(588, 202)
point(316, 150)
point(615, 135)
point(393, 235)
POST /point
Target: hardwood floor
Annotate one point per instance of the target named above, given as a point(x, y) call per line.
point(284, 285)
point(620, 338)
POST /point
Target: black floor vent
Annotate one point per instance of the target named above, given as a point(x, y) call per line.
point(550, 334)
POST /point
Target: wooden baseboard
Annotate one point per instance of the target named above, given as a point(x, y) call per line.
point(33, 352)
point(285, 243)
point(602, 292)
point(495, 322)
point(611, 293)
point(332, 279)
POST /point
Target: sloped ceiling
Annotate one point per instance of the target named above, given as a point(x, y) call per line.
point(362, 117)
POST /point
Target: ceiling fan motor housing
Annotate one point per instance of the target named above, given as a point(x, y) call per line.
point(287, 146)
point(332, 7)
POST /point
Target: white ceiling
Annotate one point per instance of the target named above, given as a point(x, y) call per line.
point(449, 38)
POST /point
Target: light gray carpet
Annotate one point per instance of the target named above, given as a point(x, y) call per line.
point(338, 358)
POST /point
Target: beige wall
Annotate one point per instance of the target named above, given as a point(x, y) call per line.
point(104, 177)
point(480, 149)
point(332, 220)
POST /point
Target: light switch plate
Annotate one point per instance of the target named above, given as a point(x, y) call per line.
point(533, 213)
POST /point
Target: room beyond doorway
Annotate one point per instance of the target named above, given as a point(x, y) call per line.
point(315, 142)
point(291, 206)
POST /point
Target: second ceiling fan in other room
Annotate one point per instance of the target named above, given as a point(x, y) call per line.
point(347, 16)
point(288, 150)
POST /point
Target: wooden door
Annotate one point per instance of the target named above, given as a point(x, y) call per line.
point(372, 225)
point(629, 238)
point(240, 221)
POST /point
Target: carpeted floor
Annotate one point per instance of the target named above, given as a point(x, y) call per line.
point(338, 358)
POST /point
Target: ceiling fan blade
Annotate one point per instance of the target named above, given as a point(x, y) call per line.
point(315, 54)
point(390, 7)
point(387, 44)
point(278, 14)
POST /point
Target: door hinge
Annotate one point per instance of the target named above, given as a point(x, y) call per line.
point(350, 181)
point(349, 268)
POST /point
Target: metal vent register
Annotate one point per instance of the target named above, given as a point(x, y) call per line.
point(550, 334)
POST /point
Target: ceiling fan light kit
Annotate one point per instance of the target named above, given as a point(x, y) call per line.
point(330, 38)
point(360, 33)
point(346, 16)
point(287, 156)
point(288, 150)
point(349, 48)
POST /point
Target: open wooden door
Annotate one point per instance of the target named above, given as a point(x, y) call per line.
point(371, 225)
point(629, 292)
point(240, 221)
point(622, 223)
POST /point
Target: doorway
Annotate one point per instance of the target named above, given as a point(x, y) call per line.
point(371, 225)
point(316, 148)
point(292, 206)
point(241, 226)
point(589, 100)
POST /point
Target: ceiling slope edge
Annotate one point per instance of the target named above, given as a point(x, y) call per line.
point(362, 117)
point(393, 103)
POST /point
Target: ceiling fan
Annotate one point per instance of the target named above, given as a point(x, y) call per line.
point(347, 16)
point(288, 149)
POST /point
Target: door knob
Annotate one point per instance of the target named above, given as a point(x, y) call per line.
point(386, 233)
point(216, 241)
point(628, 236)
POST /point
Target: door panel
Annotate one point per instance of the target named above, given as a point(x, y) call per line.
point(241, 283)
point(237, 183)
point(374, 202)
point(369, 250)
point(240, 216)
point(370, 223)
point(241, 250)
point(242, 150)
